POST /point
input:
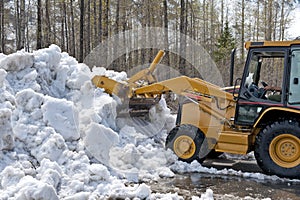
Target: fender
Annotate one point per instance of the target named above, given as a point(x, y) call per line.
point(275, 110)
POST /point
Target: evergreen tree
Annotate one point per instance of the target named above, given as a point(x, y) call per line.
point(224, 46)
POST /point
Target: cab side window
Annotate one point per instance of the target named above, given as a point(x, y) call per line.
point(294, 94)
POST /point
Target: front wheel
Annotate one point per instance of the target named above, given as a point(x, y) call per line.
point(277, 149)
point(185, 141)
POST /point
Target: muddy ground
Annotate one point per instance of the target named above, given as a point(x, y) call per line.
point(228, 187)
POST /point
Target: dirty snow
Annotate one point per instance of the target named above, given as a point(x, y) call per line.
point(60, 137)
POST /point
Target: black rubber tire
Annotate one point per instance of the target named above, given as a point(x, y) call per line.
point(262, 148)
point(214, 154)
point(190, 131)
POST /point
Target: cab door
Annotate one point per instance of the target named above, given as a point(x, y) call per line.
point(294, 82)
point(263, 66)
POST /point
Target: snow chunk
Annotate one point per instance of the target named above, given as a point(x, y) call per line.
point(59, 84)
point(10, 176)
point(168, 196)
point(51, 56)
point(17, 61)
point(208, 195)
point(29, 100)
point(6, 136)
point(3, 74)
point(129, 134)
point(124, 157)
point(62, 116)
point(79, 196)
point(50, 172)
point(30, 188)
point(98, 141)
point(166, 172)
point(143, 191)
point(23, 79)
point(106, 107)
point(98, 172)
point(80, 75)
point(52, 148)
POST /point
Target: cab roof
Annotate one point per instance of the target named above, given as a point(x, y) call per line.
point(250, 44)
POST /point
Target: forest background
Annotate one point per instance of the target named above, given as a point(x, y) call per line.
point(78, 26)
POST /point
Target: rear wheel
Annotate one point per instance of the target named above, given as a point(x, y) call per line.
point(186, 141)
point(277, 149)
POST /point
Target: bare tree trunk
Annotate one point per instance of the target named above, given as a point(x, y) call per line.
point(182, 37)
point(222, 16)
point(106, 18)
point(22, 24)
point(257, 20)
point(73, 39)
point(265, 19)
point(243, 30)
point(88, 36)
point(116, 64)
point(2, 30)
point(17, 24)
point(282, 19)
point(81, 30)
point(100, 32)
point(143, 53)
point(126, 41)
point(95, 35)
point(27, 16)
point(175, 58)
point(39, 25)
point(47, 27)
point(166, 34)
point(212, 26)
point(204, 22)
point(66, 25)
point(275, 23)
point(62, 30)
point(106, 29)
point(53, 36)
point(149, 34)
point(269, 20)
point(69, 27)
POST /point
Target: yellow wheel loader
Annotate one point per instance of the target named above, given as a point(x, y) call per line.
point(260, 112)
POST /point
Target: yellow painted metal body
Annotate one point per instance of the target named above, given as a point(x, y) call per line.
point(210, 108)
point(126, 88)
point(275, 109)
point(271, 43)
point(110, 86)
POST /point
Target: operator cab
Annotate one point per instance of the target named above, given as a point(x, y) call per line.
point(271, 79)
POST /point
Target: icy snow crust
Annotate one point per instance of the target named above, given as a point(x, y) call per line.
point(60, 139)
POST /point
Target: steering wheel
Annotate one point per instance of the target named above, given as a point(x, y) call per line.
point(258, 92)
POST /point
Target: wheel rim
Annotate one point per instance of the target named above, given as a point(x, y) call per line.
point(184, 147)
point(285, 150)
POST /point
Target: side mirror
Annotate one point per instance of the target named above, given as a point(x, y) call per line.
point(234, 88)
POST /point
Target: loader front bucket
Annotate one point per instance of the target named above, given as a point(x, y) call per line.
point(111, 86)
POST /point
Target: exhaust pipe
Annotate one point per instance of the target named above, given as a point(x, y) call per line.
point(232, 66)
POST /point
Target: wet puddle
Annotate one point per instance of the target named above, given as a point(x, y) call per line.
point(227, 187)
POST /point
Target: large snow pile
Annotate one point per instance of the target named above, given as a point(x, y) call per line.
point(60, 137)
